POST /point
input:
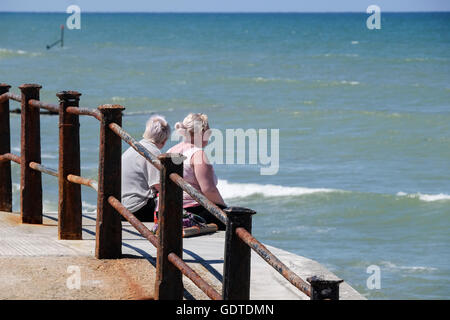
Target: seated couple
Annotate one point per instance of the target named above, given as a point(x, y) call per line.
point(140, 179)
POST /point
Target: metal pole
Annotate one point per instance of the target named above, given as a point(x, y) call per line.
point(62, 35)
point(324, 289)
point(5, 147)
point(109, 225)
point(69, 206)
point(169, 284)
point(273, 261)
point(30, 151)
point(237, 256)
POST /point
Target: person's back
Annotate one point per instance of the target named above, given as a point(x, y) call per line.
point(196, 168)
point(188, 172)
point(140, 179)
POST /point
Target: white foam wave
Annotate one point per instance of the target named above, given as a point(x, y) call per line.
point(352, 83)
point(262, 79)
point(8, 52)
point(337, 83)
point(49, 206)
point(87, 207)
point(43, 155)
point(118, 99)
point(390, 265)
point(425, 197)
point(48, 156)
point(241, 190)
point(230, 190)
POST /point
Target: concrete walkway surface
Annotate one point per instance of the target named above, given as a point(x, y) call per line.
point(34, 264)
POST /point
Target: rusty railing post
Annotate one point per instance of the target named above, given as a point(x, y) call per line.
point(5, 147)
point(69, 204)
point(109, 225)
point(30, 150)
point(169, 284)
point(237, 256)
point(324, 289)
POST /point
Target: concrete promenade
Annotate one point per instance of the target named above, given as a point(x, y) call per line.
point(34, 264)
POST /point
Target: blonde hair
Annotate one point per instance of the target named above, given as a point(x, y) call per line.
point(157, 129)
point(193, 123)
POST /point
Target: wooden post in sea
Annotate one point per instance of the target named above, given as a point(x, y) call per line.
point(109, 225)
point(5, 147)
point(62, 35)
point(169, 284)
point(69, 204)
point(30, 151)
point(237, 256)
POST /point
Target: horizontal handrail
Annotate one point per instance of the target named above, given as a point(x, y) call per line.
point(173, 258)
point(199, 197)
point(15, 97)
point(53, 108)
point(125, 136)
point(273, 261)
point(42, 105)
point(191, 274)
point(10, 157)
point(39, 167)
point(84, 111)
point(84, 181)
point(138, 225)
point(4, 96)
point(11, 96)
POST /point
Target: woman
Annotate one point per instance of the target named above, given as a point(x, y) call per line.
point(140, 178)
point(196, 168)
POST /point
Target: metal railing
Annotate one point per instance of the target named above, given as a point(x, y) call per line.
point(169, 265)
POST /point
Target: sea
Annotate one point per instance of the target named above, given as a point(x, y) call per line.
point(363, 115)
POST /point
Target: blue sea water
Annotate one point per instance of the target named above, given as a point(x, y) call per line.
point(364, 174)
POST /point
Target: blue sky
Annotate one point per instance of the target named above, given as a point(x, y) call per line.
point(224, 5)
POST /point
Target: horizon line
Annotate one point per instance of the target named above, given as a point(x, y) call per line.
point(225, 12)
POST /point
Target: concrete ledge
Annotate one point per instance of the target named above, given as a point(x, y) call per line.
point(36, 247)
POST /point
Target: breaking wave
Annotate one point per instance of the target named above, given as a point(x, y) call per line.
point(6, 53)
point(425, 197)
point(241, 190)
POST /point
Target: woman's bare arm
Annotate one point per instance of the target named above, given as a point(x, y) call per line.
point(204, 173)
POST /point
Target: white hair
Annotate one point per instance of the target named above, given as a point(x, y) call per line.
point(193, 123)
point(157, 129)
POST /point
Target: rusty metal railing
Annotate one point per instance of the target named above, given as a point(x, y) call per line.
point(170, 267)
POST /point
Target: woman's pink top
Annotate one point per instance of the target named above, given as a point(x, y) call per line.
point(189, 176)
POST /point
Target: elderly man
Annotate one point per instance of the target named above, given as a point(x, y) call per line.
point(140, 179)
